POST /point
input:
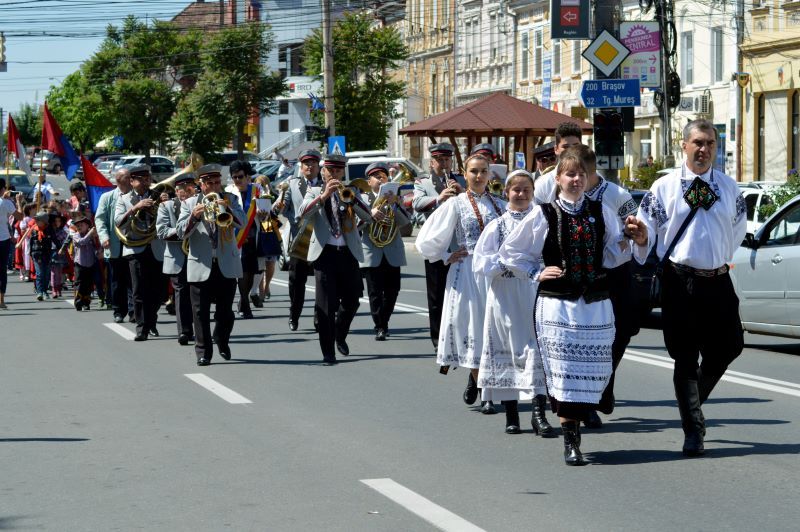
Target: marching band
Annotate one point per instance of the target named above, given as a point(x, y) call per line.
point(528, 287)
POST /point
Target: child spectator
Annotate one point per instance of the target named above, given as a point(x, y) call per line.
point(41, 251)
point(85, 258)
point(61, 242)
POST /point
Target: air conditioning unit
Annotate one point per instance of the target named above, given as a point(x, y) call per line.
point(702, 104)
point(686, 104)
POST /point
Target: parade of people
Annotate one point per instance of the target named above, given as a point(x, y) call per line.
point(399, 266)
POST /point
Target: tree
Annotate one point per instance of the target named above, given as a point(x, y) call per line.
point(364, 94)
point(201, 124)
point(233, 61)
point(29, 124)
point(136, 72)
point(79, 109)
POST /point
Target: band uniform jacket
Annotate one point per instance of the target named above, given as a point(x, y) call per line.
point(426, 192)
point(199, 261)
point(167, 230)
point(104, 221)
point(322, 228)
point(124, 204)
point(394, 251)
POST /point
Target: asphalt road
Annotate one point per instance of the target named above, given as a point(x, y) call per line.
point(100, 433)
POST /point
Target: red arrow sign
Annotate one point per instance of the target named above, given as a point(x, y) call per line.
point(570, 16)
point(653, 58)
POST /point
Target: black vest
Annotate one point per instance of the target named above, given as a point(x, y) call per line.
point(574, 243)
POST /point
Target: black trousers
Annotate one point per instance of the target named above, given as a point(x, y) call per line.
point(146, 285)
point(383, 286)
point(183, 304)
point(299, 270)
point(221, 291)
point(626, 323)
point(119, 275)
point(435, 280)
point(700, 316)
point(84, 282)
point(338, 288)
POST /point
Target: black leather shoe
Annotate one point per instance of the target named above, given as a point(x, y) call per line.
point(329, 361)
point(183, 339)
point(380, 335)
point(131, 318)
point(140, 337)
point(170, 308)
point(154, 332)
point(471, 391)
point(572, 444)
point(292, 325)
point(246, 314)
point(341, 346)
point(513, 429)
point(203, 362)
point(225, 351)
point(541, 427)
point(256, 301)
point(119, 319)
point(594, 421)
point(487, 407)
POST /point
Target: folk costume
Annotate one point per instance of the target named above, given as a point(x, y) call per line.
point(462, 219)
point(574, 320)
point(699, 307)
point(246, 239)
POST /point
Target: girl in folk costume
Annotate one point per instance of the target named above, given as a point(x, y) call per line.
point(461, 221)
point(22, 231)
point(86, 251)
point(61, 240)
point(576, 240)
point(508, 366)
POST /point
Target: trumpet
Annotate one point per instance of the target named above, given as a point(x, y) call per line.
point(346, 192)
point(216, 213)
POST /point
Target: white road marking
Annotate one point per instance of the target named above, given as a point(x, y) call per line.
point(398, 306)
point(218, 389)
point(431, 512)
point(737, 377)
point(127, 334)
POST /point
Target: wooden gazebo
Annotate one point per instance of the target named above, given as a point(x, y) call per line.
point(495, 116)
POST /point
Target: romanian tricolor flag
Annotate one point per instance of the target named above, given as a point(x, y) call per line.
point(15, 146)
point(54, 140)
point(96, 183)
point(251, 215)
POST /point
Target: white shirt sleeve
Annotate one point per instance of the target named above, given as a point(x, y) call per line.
point(433, 240)
point(522, 250)
point(616, 248)
point(486, 256)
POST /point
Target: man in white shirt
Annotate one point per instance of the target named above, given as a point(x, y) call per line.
point(699, 307)
point(8, 209)
point(47, 191)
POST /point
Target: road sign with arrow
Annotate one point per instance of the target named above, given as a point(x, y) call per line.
point(643, 39)
point(569, 19)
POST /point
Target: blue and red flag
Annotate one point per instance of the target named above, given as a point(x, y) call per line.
point(96, 183)
point(54, 140)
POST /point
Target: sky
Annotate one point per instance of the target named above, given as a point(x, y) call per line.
point(46, 40)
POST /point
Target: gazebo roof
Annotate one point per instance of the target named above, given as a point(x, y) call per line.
point(497, 114)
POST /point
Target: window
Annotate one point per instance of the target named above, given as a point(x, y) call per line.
point(556, 58)
point(283, 126)
point(538, 53)
point(784, 231)
point(524, 56)
point(283, 107)
point(435, 13)
point(646, 144)
point(576, 57)
point(493, 37)
point(717, 55)
point(468, 43)
point(761, 108)
point(687, 58)
point(434, 93)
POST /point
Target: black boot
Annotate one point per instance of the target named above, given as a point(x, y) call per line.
point(540, 425)
point(692, 420)
point(512, 417)
point(705, 384)
point(572, 443)
point(471, 391)
point(487, 407)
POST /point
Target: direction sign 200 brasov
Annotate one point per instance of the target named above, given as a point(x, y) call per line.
point(611, 93)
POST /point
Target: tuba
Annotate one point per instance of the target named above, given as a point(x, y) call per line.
point(381, 233)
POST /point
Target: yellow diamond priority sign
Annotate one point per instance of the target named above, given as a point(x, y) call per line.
point(606, 53)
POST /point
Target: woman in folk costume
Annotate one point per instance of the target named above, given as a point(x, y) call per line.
point(507, 364)
point(246, 238)
point(461, 221)
point(567, 246)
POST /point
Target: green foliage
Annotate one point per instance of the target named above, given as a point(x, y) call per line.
point(644, 176)
point(364, 94)
point(78, 107)
point(201, 123)
point(782, 193)
point(29, 124)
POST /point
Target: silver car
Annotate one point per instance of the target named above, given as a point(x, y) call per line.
point(766, 274)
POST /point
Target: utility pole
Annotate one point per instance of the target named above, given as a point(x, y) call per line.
point(739, 88)
point(327, 68)
point(664, 17)
point(606, 17)
point(221, 13)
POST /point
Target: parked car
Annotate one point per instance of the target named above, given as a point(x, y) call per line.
point(160, 167)
point(755, 198)
point(766, 274)
point(18, 181)
point(105, 168)
point(112, 157)
point(49, 160)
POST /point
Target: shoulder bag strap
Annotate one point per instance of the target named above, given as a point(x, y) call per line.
point(678, 235)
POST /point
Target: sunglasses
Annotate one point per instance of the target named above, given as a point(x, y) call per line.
point(239, 176)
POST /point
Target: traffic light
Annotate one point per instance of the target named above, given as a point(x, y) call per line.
point(609, 140)
point(2, 48)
